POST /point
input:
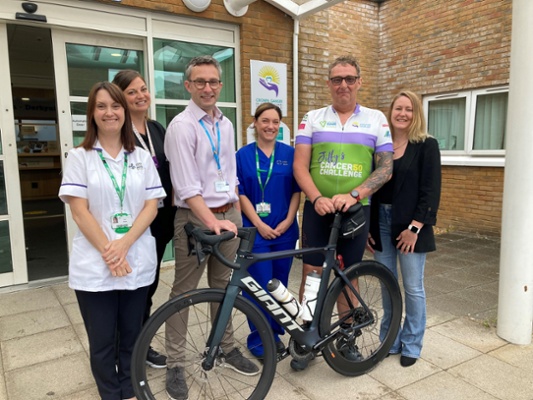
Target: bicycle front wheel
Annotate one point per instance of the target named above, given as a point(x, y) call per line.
point(365, 336)
point(195, 312)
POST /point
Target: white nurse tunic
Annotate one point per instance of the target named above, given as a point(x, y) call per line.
point(85, 176)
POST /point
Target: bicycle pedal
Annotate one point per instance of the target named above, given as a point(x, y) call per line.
point(283, 356)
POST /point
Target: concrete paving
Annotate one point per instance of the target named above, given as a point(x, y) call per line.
point(44, 352)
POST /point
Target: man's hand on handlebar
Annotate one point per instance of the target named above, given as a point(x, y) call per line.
point(223, 225)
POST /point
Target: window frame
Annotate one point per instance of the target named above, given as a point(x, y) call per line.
point(468, 156)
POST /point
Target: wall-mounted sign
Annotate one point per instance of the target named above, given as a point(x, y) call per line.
point(79, 123)
point(269, 84)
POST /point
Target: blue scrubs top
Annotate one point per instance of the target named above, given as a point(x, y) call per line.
point(278, 191)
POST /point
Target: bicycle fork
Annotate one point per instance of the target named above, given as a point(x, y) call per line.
point(219, 325)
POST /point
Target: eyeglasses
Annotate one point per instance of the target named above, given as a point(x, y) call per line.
point(350, 80)
point(200, 83)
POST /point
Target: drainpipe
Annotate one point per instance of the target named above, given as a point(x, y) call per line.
point(515, 298)
point(295, 78)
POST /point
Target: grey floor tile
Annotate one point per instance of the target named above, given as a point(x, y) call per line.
point(445, 352)
point(41, 347)
point(81, 332)
point(453, 304)
point(496, 377)
point(281, 389)
point(391, 374)
point(27, 300)
point(3, 391)
point(59, 378)
point(65, 294)
point(73, 313)
point(443, 386)
point(470, 333)
point(518, 356)
point(29, 323)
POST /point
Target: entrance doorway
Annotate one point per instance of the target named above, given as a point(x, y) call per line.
point(37, 135)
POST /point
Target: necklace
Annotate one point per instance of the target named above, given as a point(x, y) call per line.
point(400, 146)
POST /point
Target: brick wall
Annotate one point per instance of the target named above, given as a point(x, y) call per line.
point(348, 28)
point(471, 199)
point(425, 45)
point(436, 47)
point(265, 34)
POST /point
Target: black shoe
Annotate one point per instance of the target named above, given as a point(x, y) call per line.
point(348, 349)
point(407, 361)
point(300, 365)
point(155, 359)
point(280, 347)
point(176, 385)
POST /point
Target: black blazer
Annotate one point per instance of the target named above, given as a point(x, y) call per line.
point(416, 195)
point(157, 133)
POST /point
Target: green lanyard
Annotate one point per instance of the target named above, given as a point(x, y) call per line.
point(122, 190)
point(260, 170)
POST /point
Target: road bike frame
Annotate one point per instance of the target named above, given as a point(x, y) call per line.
point(309, 338)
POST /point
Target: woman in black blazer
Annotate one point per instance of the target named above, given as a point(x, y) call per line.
point(403, 213)
point(150, 135)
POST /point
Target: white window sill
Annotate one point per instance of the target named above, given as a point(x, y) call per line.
point(469, 161)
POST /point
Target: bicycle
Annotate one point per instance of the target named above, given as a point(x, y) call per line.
point(364, 287)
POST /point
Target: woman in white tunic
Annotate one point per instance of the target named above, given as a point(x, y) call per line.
point(112, 189)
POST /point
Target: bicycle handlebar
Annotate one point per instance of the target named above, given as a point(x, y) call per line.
point(209, 242)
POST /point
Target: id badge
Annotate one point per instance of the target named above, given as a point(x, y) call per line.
point(121, 222)
point(160, 203)
point(262, 209)
point(221, 187)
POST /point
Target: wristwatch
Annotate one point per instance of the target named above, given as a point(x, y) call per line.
point(355, 194)
point(414, 229)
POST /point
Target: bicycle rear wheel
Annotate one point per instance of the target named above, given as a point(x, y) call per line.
point(365, 338)
point(221, 382)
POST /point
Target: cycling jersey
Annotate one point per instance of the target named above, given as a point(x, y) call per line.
point(342, 155)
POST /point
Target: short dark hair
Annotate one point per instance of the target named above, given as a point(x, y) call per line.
point(345, 60)
point(202, 60)
point(126, 133)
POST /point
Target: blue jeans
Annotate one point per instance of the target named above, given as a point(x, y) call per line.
point(411, 334)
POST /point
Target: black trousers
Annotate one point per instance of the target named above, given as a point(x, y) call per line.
point(162, 229)
point(107, 316)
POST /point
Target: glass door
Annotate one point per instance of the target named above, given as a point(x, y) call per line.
point(81, 60)
point(12, 244)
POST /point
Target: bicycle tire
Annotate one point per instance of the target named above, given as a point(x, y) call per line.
point(375, 284)
point(220, 382)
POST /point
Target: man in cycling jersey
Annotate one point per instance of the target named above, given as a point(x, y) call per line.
point(343, 154)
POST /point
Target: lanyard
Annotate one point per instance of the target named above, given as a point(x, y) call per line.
point(259, 171)
point(216, 151)
point(143, 143)
point(122, 190)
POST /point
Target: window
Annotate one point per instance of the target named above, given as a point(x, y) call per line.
point(170, 60)
point(469, 123)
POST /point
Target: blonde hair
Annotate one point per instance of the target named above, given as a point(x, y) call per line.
point(417, 129)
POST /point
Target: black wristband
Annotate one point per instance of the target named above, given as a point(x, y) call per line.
point(316, 198)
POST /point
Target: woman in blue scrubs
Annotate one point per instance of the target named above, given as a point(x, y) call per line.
point(269, 197)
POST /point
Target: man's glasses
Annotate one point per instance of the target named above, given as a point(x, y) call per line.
point(200, 83)
point(337, 80)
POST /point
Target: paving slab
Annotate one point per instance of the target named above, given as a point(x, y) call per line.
point(444, 386)
point(57, 378)
point(41, 347)
point(496, 377)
